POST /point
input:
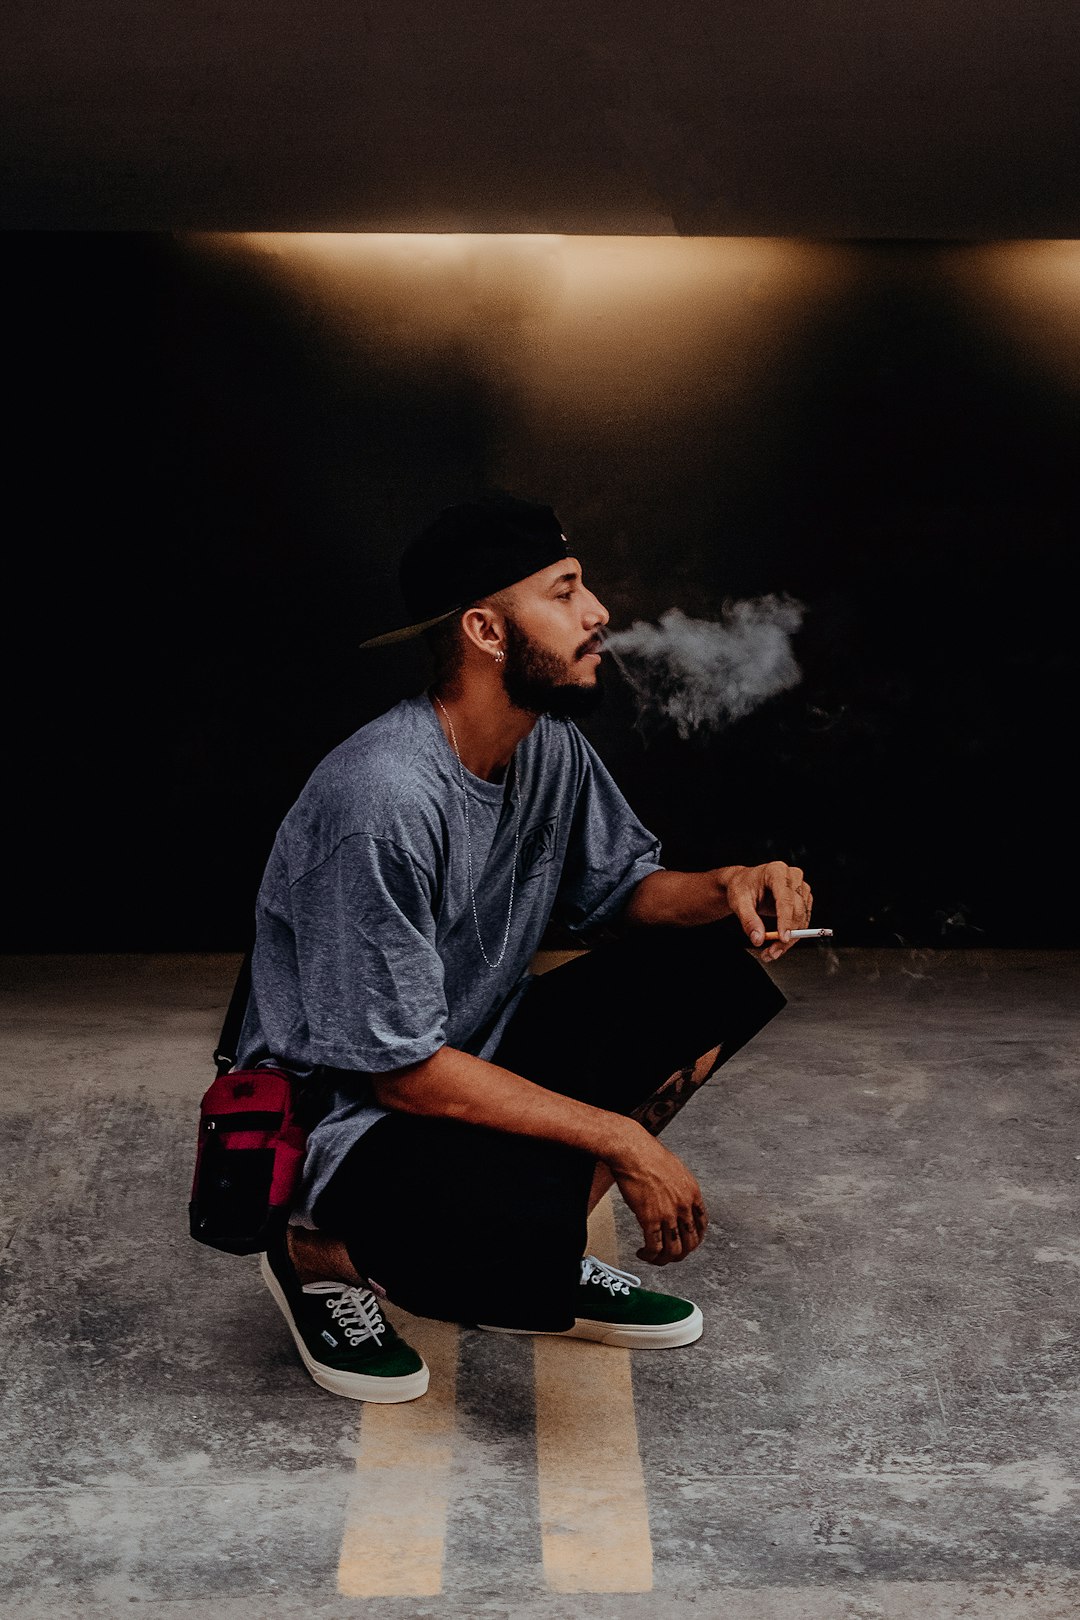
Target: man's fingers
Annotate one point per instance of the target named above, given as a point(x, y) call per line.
point(673, 1239)
point(654, 1245)
point(664, 1243)
point(801, 899)
point(783, 884)
point(794, 901)
point(791, 900)
point(752, 924)
point(673, 1243)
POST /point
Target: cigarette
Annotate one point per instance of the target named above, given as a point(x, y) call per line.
point(806, 933)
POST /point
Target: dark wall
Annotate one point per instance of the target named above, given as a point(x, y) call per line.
point(211, 478)
point(938, 118)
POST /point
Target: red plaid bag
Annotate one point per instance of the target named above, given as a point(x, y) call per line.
point(250, 1151)
point(248, 1160)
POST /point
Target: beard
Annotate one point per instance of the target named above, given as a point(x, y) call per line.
point(533, 680)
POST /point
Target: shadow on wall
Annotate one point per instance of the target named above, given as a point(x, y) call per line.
point(227, 441)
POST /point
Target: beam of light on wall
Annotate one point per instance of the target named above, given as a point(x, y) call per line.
point(1029, 294)
point(599, 336)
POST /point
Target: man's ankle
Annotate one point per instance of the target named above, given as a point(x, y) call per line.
point(316, 1257)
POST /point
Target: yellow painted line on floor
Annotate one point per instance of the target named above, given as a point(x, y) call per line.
point(395, 1520)
point(593, 1510)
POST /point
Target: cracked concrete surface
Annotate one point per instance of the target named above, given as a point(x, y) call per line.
point(880, 1422)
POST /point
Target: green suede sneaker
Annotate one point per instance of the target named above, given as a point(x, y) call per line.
point(613, 1308)
point(344, 1340)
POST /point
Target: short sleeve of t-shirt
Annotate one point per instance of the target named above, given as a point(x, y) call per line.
point(371, 980)
point(608, 853)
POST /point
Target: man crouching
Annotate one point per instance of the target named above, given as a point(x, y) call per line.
point(473, 1112)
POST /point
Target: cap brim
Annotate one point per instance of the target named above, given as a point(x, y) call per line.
point(408, 631)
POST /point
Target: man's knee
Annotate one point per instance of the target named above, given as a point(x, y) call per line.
point(711, 960)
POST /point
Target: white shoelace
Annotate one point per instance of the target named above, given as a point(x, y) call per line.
point(355, 1310)
point(609, 1277)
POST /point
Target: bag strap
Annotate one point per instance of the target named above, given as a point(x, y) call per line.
point(225, 1051)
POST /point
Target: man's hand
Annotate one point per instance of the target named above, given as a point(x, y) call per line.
point(774, 889)
point(664, 1196)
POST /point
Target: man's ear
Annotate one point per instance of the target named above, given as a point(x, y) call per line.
point(479, 627)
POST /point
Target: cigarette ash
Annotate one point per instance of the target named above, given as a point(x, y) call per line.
point(701, 674)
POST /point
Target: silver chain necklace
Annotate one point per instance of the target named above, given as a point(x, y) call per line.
point(468, 845)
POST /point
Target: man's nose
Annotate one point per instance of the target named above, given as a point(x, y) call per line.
point(599, 614)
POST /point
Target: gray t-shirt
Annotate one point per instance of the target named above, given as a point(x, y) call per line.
point(366, 957)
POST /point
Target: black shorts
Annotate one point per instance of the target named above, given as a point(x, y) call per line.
point(469, 1224)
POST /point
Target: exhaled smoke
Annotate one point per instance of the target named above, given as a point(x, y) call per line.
point(700, 674)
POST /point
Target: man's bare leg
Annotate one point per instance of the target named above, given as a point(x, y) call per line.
point(659, 1110)
point(319, 1258)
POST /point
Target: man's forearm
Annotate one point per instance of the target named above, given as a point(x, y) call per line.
point(452, 1084)
point(662, 1193)
point(680, 899)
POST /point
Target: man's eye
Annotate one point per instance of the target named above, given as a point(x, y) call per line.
point(564, 596)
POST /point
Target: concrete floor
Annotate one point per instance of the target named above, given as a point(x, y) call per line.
point(880, 1423)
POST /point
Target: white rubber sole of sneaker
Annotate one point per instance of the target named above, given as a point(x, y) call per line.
point(640, 1336)
point(354, 1386)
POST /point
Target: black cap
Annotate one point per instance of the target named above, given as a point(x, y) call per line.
point(469, 551)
